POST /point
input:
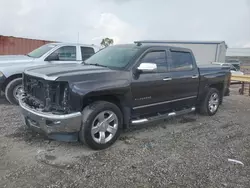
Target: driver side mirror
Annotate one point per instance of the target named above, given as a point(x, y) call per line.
point(52, 57)
point(147, 68)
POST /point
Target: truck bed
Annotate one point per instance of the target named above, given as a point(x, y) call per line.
point(208, 68)
point(210, 75)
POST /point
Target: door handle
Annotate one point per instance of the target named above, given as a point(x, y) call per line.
point(167, 79)
point(195, 76)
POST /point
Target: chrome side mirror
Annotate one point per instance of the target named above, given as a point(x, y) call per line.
point(147, 67)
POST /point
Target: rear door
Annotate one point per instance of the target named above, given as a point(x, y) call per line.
point(86, 52)
point(185, 79)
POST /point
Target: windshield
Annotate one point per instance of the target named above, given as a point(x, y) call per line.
point(113, 56)
point(233, 68)
point(41, 50)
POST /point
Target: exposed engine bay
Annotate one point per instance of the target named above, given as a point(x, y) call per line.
point(46, 96)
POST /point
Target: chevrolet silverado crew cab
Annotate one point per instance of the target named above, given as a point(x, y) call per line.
point(119, 86)
point(12, 66)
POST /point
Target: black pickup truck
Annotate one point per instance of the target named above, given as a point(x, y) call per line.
point(119, 86)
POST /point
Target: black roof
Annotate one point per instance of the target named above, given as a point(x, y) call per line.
point(147, 46)
point(179, 42)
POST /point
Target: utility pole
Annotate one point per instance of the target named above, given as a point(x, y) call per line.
point(78, 38)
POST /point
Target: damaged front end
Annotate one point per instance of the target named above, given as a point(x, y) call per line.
point(46, 109)
point(45, 95)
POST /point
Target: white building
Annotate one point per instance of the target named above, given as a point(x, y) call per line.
point(205, 52)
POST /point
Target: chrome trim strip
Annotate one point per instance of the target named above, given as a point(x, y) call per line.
point(50, 78)
point(139, 121)
point(165, 102)
point(167, 79)
point(195, 76)
point(172, 114)
point(162, 116)
point(48, 115)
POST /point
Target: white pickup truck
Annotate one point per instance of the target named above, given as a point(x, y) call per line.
point(12, 66)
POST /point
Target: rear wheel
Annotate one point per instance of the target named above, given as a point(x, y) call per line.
point(13, 90)
point(101, 125)
point(211, 102)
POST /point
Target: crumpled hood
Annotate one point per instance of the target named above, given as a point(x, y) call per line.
point(13, 59)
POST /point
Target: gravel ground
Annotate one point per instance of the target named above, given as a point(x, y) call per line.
point(189, 151)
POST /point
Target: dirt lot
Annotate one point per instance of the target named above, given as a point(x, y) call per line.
point(190, 151)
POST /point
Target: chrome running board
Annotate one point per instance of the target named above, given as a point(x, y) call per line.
point(162, 116)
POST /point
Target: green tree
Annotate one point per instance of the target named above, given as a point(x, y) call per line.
point(107, 42)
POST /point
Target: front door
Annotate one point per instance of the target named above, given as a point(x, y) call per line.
point(150, 90)
point(66, 54)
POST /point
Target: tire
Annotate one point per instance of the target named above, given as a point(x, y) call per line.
point(9, 91)
point(90, 120)
point(205, 108)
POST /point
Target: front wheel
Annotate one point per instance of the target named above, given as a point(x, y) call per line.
point(211, 102)
point(13, 90)
point(101, 125)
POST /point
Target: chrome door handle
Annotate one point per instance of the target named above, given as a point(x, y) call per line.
point(167, 79)
point(195, 76)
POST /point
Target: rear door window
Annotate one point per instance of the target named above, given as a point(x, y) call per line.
point(181, 61)
point(87, 52)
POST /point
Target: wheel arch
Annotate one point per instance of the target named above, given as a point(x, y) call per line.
point(9, 79)
point(118, 100)
point(220, 88)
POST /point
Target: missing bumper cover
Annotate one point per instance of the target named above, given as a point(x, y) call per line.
point(50, 123)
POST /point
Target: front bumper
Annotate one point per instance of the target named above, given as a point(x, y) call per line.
point(58, 127)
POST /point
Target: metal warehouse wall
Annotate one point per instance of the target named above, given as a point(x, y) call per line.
point(243, 60)
point(241, 54)
point(17, 46)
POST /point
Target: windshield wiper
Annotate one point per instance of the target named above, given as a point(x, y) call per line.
point(95, 64)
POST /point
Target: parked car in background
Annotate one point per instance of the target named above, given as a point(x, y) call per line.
point(116, 87)
point(235, 62)
point(12, 66)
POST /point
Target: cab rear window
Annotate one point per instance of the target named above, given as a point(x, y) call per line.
point(87, 52)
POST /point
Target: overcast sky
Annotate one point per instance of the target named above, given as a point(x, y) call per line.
point(128, 20)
